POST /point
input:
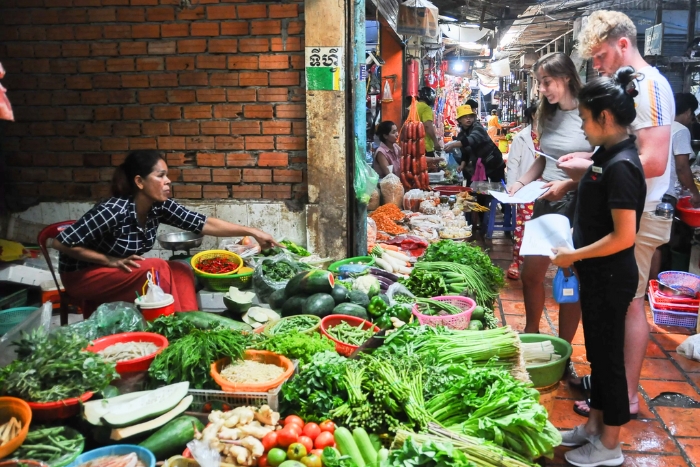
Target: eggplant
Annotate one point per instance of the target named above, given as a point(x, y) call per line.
point(382, 273)
point(383, 281)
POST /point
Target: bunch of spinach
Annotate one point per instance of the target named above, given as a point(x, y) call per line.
point(427, 454)
point(425, 284)
point(296, 345)
point(278, 271)
point(463, 253)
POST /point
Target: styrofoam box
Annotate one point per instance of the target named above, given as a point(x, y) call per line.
point(211, 301)
point(24, 275)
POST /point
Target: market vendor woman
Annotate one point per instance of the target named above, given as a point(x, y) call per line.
point(100, 254)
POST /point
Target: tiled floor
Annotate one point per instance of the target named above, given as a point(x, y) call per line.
point(662, 436)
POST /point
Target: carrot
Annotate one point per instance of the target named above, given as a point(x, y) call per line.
point(389, 247)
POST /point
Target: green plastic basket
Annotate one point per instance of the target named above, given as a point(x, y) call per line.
point(546, 374)
point(222, 283)
point(14, 316)
point(368, 260)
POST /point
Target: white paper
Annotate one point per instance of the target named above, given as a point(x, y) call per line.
point(525, 195)
point(544, 233)
point(547, 156)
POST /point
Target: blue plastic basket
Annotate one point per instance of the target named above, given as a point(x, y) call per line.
point(675, 318)
point(144, 455)
point(14, 316)
point(681, 281)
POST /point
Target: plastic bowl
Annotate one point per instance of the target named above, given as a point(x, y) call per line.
point(366, 260)
point(268, 327)
point(136, 364)
point(144, 455)
point(547, 374)
point(333, 320)
point(262, 356)
point(14, 407)
point(687, 214)
point(66, 408)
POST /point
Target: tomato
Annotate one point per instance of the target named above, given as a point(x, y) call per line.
point(270, 440)
point(324, 440)
point(286, 437)
point(307, 442)
point(328, 426)
point(312, 460)
point(262, 461)
point(293, 419)
point(296, 451)
point(295, 428)
point(318, 452)
point(312, 430)
point(276, 456)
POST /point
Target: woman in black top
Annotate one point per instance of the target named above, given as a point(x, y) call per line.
point(609, 206)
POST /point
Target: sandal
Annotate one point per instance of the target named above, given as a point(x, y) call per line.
point(514, 272)
point(583, 413)
point(584, 385)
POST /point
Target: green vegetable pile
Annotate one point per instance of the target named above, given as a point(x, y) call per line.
point(171, 327)
point(295, 249)
point(296, 345)
point(348, 334)
point(427, 454)
point(468, 255)
point(278, 271)
point(50, 445)
point(425, 284)
point(294, 323)
point(54, 367)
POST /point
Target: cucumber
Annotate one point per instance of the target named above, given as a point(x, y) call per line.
point(361, 438)
point(358, 297)
point(277, 299)
point(172, 438)
point(347, 446)
point(351, 309)
point(310, 282)
point(204, 320)
point(478, 313)
point(293, 306)
point(475, 325)
point(320, 304)
point(147, 406)
point(339, 294)
point(382, 455)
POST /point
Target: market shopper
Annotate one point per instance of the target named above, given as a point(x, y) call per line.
point(610, 39)
point(609, 207)
point(559, 127)
point(387, 157)
point(520, 157)
point(100, 255)
point(493, 125)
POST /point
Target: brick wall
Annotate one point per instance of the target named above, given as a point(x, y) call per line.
point(217, 86)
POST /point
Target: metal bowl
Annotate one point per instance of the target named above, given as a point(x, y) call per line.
point(675, 291)
point(180, 240)
point(695, 144)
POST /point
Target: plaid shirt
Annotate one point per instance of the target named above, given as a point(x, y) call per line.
point(112, 228)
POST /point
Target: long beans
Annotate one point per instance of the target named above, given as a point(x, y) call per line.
point(431, 307)
point(50, 444)
point(459, 277)
point(352, 335)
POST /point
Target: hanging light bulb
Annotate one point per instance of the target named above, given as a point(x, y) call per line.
point(458, 66)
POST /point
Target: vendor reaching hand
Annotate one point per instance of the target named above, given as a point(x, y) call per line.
point(100, 254)
point(477, 144)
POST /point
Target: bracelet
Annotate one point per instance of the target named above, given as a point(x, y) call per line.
point(518, 181)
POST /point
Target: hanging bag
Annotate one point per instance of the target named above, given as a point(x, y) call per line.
point(565, 286)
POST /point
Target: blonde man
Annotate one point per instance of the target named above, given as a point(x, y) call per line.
point(610, 39)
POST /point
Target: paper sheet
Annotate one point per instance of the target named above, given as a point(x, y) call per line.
point(525, 195)
point(544, 233)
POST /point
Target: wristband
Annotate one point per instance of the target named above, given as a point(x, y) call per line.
point(518, 181)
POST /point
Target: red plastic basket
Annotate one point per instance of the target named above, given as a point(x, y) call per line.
point(137, 364)
point(686, 212)
point(661, 301)
point(458, 321)
point(45, 411)
point(333, 320)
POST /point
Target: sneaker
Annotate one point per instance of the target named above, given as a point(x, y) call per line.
point(575, 437)
point(595, 454)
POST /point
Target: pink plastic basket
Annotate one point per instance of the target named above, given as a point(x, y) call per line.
point(458, 321)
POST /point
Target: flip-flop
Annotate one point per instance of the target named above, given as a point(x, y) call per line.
point(583, 413)
point(584, 385)
point(513, 272)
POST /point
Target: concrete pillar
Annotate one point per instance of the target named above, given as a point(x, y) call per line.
point(326, 113)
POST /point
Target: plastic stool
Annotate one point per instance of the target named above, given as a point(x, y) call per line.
point(508, 223)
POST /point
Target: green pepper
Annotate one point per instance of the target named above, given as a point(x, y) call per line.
point(384, 322)
point(400, 311)
point(376, 307)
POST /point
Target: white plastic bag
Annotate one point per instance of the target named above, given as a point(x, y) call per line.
point(155, 294)
point(690, 348)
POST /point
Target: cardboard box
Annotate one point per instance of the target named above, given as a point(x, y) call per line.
point(417, 20)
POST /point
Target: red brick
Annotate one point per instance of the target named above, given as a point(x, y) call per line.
point(253, 45)
point(87, 3)
point(185, 128)
point(198, 111)
point(51, 82)
point(241, 95)
point(257, 175)
point(199, 142)
point(190, 45)
point(274, 62)
point(86, 144)
point(78, 82)
point(277, 191)
point(243, 62)
point(115, 144)
point(98, 49)
point(120, 64)
point(295, 27)
point(259, 142)
point(48, 50)
point(42, 129)
point(144, 2)
point(171, 142)
point(290, 143)
point(215, 128)
point(291, 44)
point(135, 81)
point(174, 175)
point(115, 2)
point(193, 79)
point(226, 175)
point(273, 159)
point(205, 29)
point(221, 12)
point(133, 48)
point(91, 66)
point(27, 33)
point(253, 79)
point(277, 128)
point(284, 11)
point(150, 64)
point(229, 143)
point(187, 191)
point(257, 111)
point(156, 128)
point(102, 15)
point(211, 95)
point(137, 113)
point(299, 128)
point(142, 143)
point(65, 33)
point(273, 95)
point(215, 192)
point(206, 159)
point(175, 158)
point(36, 66)
point(160, 14)
point(228, 111)
point(246, 191)
point(20, 50)
point(79, 113)
point(297, 62)
point(161, 48)
point(120, 31)
point(181, 96)
point(266, 28)
point(86, 175)
point(106, 174)
point(107, 113)
point(252, 11)
point(38, 98)
point(223, 79)
point(179, 63)
point(127, 129)
point(124, 96)
point(145, 31)
point(74, 15)
point(235, 28)
point(94, 97)
point(75, 49)
point(98, 129)
point(175, 30)
point(222, 45)
point(60, 175)
point(107, 81)
point(167, 112)
point(196, 175)
point(191, 13)
point(131, 15)
point(284, 78)
point(245, 127)
point(211, 62)
point(287, 176)
point(290, 111)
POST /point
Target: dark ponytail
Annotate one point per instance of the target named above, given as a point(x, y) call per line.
point(615, 95)
point(383, 130)
point(136, 163)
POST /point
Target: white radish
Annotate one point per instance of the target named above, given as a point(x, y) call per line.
point(395, 263)
point(404, 270)
point(398, 255)
point(383, 264)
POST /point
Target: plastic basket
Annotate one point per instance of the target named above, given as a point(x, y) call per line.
point(210, 254)
point(144, 455)
point(661, 301)
point(262, 356)
point(458, 321)
point(136, 364)
point(686, 212)
point(13, 297)
point(46, 411)
point(14, 316)
point(366, 260)
point(243, 279)
point(681, 281)
point(675, 318)
point(234, 399)
point(333, 320)
point(13, 407)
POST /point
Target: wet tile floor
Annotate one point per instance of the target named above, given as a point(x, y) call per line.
point(662, 436)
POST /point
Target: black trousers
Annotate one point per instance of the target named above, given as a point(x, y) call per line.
point(607, 289)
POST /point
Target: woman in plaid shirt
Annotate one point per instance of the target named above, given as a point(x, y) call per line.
point(100, 254)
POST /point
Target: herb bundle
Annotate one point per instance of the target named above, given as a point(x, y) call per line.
point(296, 345)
